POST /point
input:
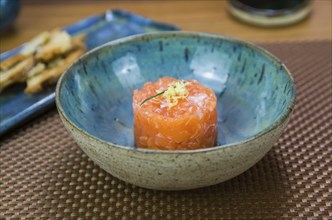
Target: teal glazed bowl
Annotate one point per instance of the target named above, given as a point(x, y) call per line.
point(256, 95)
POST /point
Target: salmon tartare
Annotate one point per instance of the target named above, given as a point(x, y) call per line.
point(172, 114)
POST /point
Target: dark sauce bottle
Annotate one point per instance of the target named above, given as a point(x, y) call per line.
point(270, 12)
point(273, 5)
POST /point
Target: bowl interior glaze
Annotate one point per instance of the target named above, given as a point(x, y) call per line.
point(255, 90)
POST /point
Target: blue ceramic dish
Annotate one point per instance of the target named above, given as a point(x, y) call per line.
point(9, 10)
point(18, 107)
point(256, 95)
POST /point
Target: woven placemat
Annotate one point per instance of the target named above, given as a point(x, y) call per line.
point(45, 175)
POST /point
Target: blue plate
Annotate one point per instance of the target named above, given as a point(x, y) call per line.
point(18, 107)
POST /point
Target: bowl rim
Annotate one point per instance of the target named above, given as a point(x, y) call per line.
point(280, 119)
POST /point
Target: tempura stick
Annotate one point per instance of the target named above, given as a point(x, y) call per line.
point(37, 69)
point(11, 61)
point(31, 47)
point(50, 76)
point(59, 43)
point(17, 73)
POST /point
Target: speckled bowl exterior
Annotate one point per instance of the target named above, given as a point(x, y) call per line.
point(256, 95)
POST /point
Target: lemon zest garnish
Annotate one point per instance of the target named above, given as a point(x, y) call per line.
point(174, 92)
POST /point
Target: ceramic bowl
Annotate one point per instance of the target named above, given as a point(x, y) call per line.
point(9, 10)
point(256, 95)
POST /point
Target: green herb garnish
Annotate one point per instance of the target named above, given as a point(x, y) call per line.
point(175, 91)
point(151, 97)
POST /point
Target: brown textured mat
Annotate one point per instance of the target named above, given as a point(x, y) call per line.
point(45, 175)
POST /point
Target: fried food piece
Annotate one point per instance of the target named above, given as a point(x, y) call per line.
point(56, 62)
point(42, 60)
point(11, 61)
point(77, 40)
point(52, 74)
point(16, 73)
point(31, 47)
point(59, 43)
point(38, 68)
point(27, 50)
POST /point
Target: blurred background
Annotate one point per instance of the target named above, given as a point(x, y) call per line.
point(211, 16)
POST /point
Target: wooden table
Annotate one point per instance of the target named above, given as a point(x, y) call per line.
point(207, 16)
